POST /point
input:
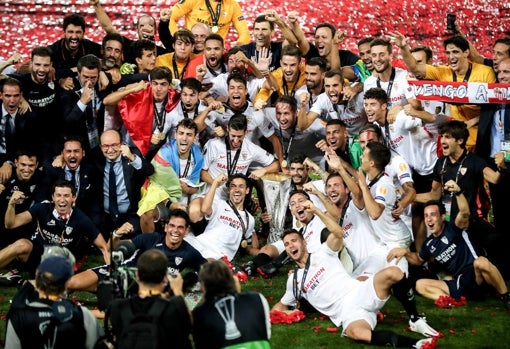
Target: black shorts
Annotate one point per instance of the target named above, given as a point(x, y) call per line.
point(465, 285)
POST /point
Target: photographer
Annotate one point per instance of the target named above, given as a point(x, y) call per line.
point(148, 318)
point(179, 253)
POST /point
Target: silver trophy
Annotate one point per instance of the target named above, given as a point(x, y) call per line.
point(276, 193)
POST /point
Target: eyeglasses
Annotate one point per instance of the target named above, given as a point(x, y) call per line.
point(89, 78)
point(114, 146)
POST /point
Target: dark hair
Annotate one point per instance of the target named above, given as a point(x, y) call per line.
point(379, 154)
point(237, 77)
point(339, 122)
point(318, 62)
point(216, 279)
point(457, 129)
point(192, 84)
point(161, 73)
point(74, 19)
point(457, 40)
point(426, 49)
point(62, 183)
point(215, 37)
point(90, 62)
point(376, 93)
point(72, 138)
point(291, 231)
point(189, 124)
point(333, 175)
point(112, 37)
point(298, 158)
point(291, 50)
point(381, 42)
point(235, 176)
point(28, 152)
point(138, 46)
point(438, 203)
point(371, 128)
point(366, 40)
point(238, 122)
point(41, 51)
point(326, 25)
point(178, 213)
point(506, 41)
point(10, 82)
point(288, 100)
point(335, 72)
point(299, 191)
point(262, 19)
point(152, 266)
point(234, 50)
point(184, 35)
point(46, 283)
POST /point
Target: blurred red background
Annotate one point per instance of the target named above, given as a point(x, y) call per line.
point(26, 24)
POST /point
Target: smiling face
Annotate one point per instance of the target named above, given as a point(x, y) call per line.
point(434, 220)
point(336, 136)
point(237, 191)
point(364, 54)
point(236, 137)
point(237, 92)
point(375, 110)
point(63, 199)
point(297, 205)
point(450, 145)
point(457, 59)
point(333, 87)
point(11, 96)
point(262, 34)
point(213, 53)
point(200, 32)
point(295, 246)
point(314, 76)
point(110, 145)
point(184, 137)
point(299, 173)
point(112, 52)
point(72, 154)
point(73, 35)
point(381, 58)
point(146, 28)
point(176, 229)
point(285, 116)
point(504, 71)
point(290, 67)
point(189, 98)
point(336, 190)
point(25, 167)
point(40, 67)
point(324, 41)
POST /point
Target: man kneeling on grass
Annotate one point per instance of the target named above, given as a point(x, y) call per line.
point(449, 246)
point(353, 305)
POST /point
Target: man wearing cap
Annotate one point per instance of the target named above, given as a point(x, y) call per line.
point(50, 320)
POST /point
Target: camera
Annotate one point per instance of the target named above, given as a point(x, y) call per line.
point(450, 21)
point(121, 282)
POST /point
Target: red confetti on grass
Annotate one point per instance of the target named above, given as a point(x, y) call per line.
point(452, 331)
point(317, 329)
point(450, 302)
point(473, 331)
point(332, 329)
point(281, 317)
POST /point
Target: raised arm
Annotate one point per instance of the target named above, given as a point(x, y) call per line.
point(102, 17)
point(207, 203)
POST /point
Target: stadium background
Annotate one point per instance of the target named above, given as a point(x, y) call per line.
point(26, 24)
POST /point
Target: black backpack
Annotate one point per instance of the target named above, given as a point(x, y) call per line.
point(142, 330)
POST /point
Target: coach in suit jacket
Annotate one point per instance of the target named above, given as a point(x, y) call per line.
point(130, 170)
point(72, 166)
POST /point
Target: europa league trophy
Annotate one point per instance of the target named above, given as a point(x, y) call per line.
point(276, 192)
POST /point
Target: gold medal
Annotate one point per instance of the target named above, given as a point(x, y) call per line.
point(244, 244)
point(298, 224)
point(214, 29)
point(284, 164)
point(162, 136)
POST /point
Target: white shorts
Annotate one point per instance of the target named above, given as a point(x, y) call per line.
point(362, 303)
point(377, 261)
point(206, 251)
